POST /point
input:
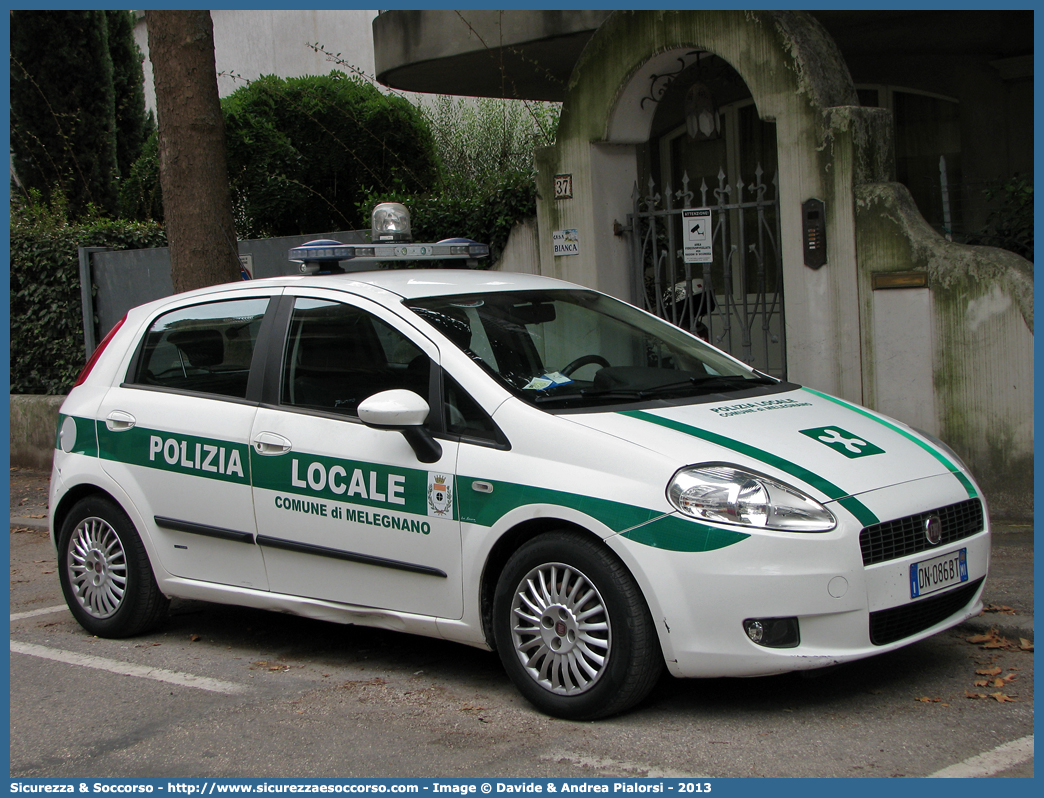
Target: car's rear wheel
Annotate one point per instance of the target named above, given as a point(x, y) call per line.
point(573, 630)
point(105, 572)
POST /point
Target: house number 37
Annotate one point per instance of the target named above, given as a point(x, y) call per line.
point(563, 186)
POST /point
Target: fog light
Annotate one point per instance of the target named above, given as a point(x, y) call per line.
point(755, 630)
point(773, 632)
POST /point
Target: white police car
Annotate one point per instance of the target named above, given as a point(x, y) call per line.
point(505, 461)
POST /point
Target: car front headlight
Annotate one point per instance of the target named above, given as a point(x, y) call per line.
point(727, 494)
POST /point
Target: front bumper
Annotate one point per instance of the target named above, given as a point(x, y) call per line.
point(846, 610)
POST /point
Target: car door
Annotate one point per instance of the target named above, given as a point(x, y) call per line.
point(175, 434)
point(345, 512)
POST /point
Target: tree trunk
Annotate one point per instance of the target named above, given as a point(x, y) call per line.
point(193, 172)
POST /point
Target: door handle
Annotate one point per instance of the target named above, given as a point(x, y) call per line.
point(119, 421)
point(268, 443)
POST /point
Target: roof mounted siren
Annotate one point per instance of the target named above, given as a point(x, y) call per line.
point(391, 240)
point(390, 222)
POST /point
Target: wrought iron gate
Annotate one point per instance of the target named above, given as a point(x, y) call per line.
point(736, 301)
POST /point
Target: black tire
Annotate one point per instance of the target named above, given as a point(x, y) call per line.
point(105, 572)
point(573, 630)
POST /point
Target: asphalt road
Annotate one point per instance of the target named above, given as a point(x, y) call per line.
point(231, 692)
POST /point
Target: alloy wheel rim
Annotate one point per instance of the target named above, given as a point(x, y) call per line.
point(97, 567)
point(560, 629)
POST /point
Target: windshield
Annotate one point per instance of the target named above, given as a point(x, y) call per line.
point(576, 348)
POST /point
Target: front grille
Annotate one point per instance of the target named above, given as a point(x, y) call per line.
point(887, 626)
point(893, 539)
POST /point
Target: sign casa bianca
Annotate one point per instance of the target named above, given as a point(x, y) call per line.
point(567, 242)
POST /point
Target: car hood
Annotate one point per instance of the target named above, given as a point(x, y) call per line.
point(827, 447)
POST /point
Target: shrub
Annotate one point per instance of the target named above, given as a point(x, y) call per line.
point(486, 148)
point(141, 197)
point(63, 117)
point(480, 140)
point(133, 123)
point(487, 217)
point(47, 350)
point(1010, 223)
point(303, 151)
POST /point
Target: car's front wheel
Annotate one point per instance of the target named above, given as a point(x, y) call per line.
point(105, 572)
point(572, 628)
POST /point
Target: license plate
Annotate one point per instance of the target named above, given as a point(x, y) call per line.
point(939, 572)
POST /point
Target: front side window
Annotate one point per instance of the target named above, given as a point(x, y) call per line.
point(336, 355)
point(203, 348)
point(576, 348)
point(463, 416)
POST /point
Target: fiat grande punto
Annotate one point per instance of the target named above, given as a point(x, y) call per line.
point(506, 461)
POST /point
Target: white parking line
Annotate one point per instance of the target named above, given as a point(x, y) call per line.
point(128, 669)
point(984, 765)
point(17, 616)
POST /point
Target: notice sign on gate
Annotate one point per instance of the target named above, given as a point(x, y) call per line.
point(696, 224)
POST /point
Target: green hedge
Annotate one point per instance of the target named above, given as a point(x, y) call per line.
point(486, 215)
point(302, 152)
point(47, 350)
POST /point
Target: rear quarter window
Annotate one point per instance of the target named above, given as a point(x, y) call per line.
point(203, 348)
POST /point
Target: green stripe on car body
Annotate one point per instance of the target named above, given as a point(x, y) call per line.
point(209, 458)
point(846, 500)
point(674, 533)
point(337, 479)
point(403, 489)
point(953, 468)
point(86, 442)
point(649, 527)
point(653, 528)
point(485, 509)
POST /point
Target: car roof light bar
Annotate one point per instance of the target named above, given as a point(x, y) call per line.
point(325, 255)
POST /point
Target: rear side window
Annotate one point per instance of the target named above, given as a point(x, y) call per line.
point(203, 348)
point(337, 355)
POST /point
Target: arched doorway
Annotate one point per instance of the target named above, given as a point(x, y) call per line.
point(705, 220)
point(825, 145)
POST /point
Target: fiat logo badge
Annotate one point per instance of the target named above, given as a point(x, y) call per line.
point(933, 529)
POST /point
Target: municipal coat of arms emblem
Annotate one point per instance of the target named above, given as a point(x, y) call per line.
point(440, 496)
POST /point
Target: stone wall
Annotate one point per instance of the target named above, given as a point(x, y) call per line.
point(34, 425)
point(954, 356)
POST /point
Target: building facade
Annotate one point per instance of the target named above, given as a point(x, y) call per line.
point(251, 43)
point(798, 187)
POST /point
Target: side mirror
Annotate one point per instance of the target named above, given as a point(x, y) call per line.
point(405, 412)
point(395, 409)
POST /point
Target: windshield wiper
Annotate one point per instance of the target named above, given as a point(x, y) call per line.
point(729, 382)
point(588, 394)
point(732, 382)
